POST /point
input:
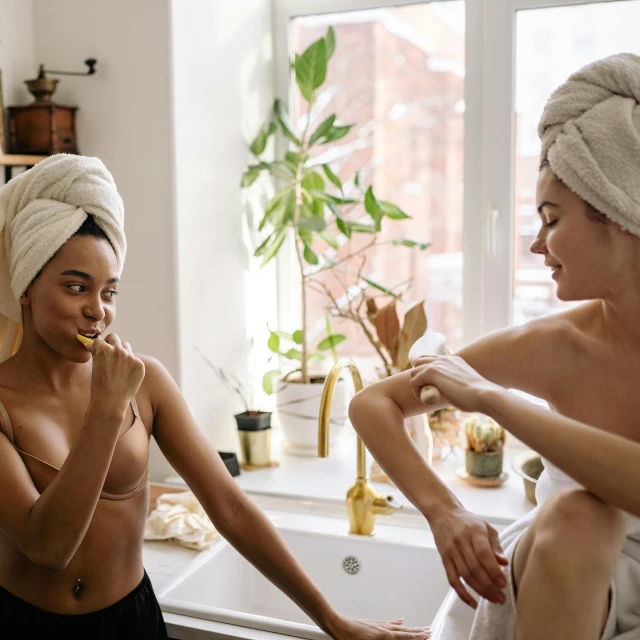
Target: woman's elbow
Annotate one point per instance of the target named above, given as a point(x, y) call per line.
point(358, 407)
point(53, 563)
point(47, 557)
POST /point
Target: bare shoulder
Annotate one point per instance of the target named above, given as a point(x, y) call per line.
point(183, 443)
point(528, 357)
point(154, 369)
point(156, 391)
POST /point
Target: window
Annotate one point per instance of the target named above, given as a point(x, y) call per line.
point(448, 130)
point(578, 35)
point(398, 72)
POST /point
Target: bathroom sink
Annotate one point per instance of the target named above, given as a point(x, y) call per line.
point(371, 578)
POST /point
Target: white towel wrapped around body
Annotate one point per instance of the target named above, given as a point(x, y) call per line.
point(457, 621)
point(40, 210)
point(179, 517)
point(590, 132)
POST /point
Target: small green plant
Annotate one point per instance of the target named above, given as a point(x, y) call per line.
point(484, 437)
point(287, 346)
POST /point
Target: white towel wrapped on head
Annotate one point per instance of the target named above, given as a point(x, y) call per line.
point(39, 211)
point(590, 132)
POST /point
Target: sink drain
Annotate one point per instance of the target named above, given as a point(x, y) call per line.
point(351, 565)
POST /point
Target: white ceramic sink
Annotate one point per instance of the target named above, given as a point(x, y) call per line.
point(376, 578)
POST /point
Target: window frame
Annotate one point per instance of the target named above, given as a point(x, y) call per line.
point(489, 150)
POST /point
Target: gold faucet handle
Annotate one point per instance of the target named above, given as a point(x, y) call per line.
point(385, 505)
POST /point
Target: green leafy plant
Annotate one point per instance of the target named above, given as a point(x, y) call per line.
point(288, 347)
point(314, 207)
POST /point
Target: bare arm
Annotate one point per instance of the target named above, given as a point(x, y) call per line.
point(574, 447)
point(468, 546)
point(49, 528)
point(237, 518)
point(606, 464)
point(378, 412)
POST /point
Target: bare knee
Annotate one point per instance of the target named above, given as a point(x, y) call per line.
point(578, 532)
point(563, 566)
point(579, 514)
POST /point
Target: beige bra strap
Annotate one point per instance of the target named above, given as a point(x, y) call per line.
point(5, 425)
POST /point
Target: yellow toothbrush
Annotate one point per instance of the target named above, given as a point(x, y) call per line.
point(84, 339)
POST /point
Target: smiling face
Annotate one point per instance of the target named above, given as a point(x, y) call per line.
point(591, 257)
point(74, 293)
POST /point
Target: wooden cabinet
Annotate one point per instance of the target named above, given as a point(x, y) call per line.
point(42, 129)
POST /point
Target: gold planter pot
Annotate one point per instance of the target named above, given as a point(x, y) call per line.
point(529, 466)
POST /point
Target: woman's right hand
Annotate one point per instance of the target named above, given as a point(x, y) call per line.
point(117, 373)
point(470, 549)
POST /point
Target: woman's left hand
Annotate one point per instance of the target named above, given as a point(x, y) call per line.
point(351, 628)
point(458, 382)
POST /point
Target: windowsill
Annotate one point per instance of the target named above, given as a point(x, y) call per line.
point(309, 478)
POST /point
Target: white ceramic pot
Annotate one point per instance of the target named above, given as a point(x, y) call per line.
point(298, 408)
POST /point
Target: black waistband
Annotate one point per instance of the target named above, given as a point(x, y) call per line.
point(19, 608)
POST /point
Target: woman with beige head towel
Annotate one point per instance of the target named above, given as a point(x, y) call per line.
point(75, 424)
point(570, 570)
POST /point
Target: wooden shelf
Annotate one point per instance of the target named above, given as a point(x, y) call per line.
point(10, 160)
point(15, 160)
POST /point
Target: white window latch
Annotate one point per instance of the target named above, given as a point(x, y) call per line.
point(492, 232)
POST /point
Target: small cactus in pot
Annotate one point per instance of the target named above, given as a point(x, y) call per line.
point(485, 447)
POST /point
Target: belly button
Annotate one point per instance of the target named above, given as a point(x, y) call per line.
point(77, 588)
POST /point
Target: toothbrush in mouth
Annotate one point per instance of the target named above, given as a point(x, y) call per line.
point(84, 339)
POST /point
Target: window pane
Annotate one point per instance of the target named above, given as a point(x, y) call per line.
point(552, 44)
point(398, 73)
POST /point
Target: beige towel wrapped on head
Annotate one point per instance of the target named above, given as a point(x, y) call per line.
point(179, 517)
point(39, 211)
point(590, 132)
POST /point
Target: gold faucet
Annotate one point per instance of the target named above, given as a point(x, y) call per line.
point(363, 501)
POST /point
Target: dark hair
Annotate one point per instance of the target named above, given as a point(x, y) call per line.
point(91, 228)
point(592, 212)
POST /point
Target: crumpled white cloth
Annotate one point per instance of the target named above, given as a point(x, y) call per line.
point(40, 210)
point(180, 518)
point(456, 621)
point(590, 133)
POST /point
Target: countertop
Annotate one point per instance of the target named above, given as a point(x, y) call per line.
point(328, 479)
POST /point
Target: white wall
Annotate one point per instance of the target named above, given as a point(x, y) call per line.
point(223, 90)
point(180, 87)
point(17, 50)
point(125, 119)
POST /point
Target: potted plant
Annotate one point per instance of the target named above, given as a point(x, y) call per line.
point(392, 340)
point(445, 427)
point(254, 425)
point(298, 404)
point(485, 447)
point(329, 221)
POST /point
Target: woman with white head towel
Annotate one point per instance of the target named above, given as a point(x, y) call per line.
point(570, 570)
point(75, 424)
